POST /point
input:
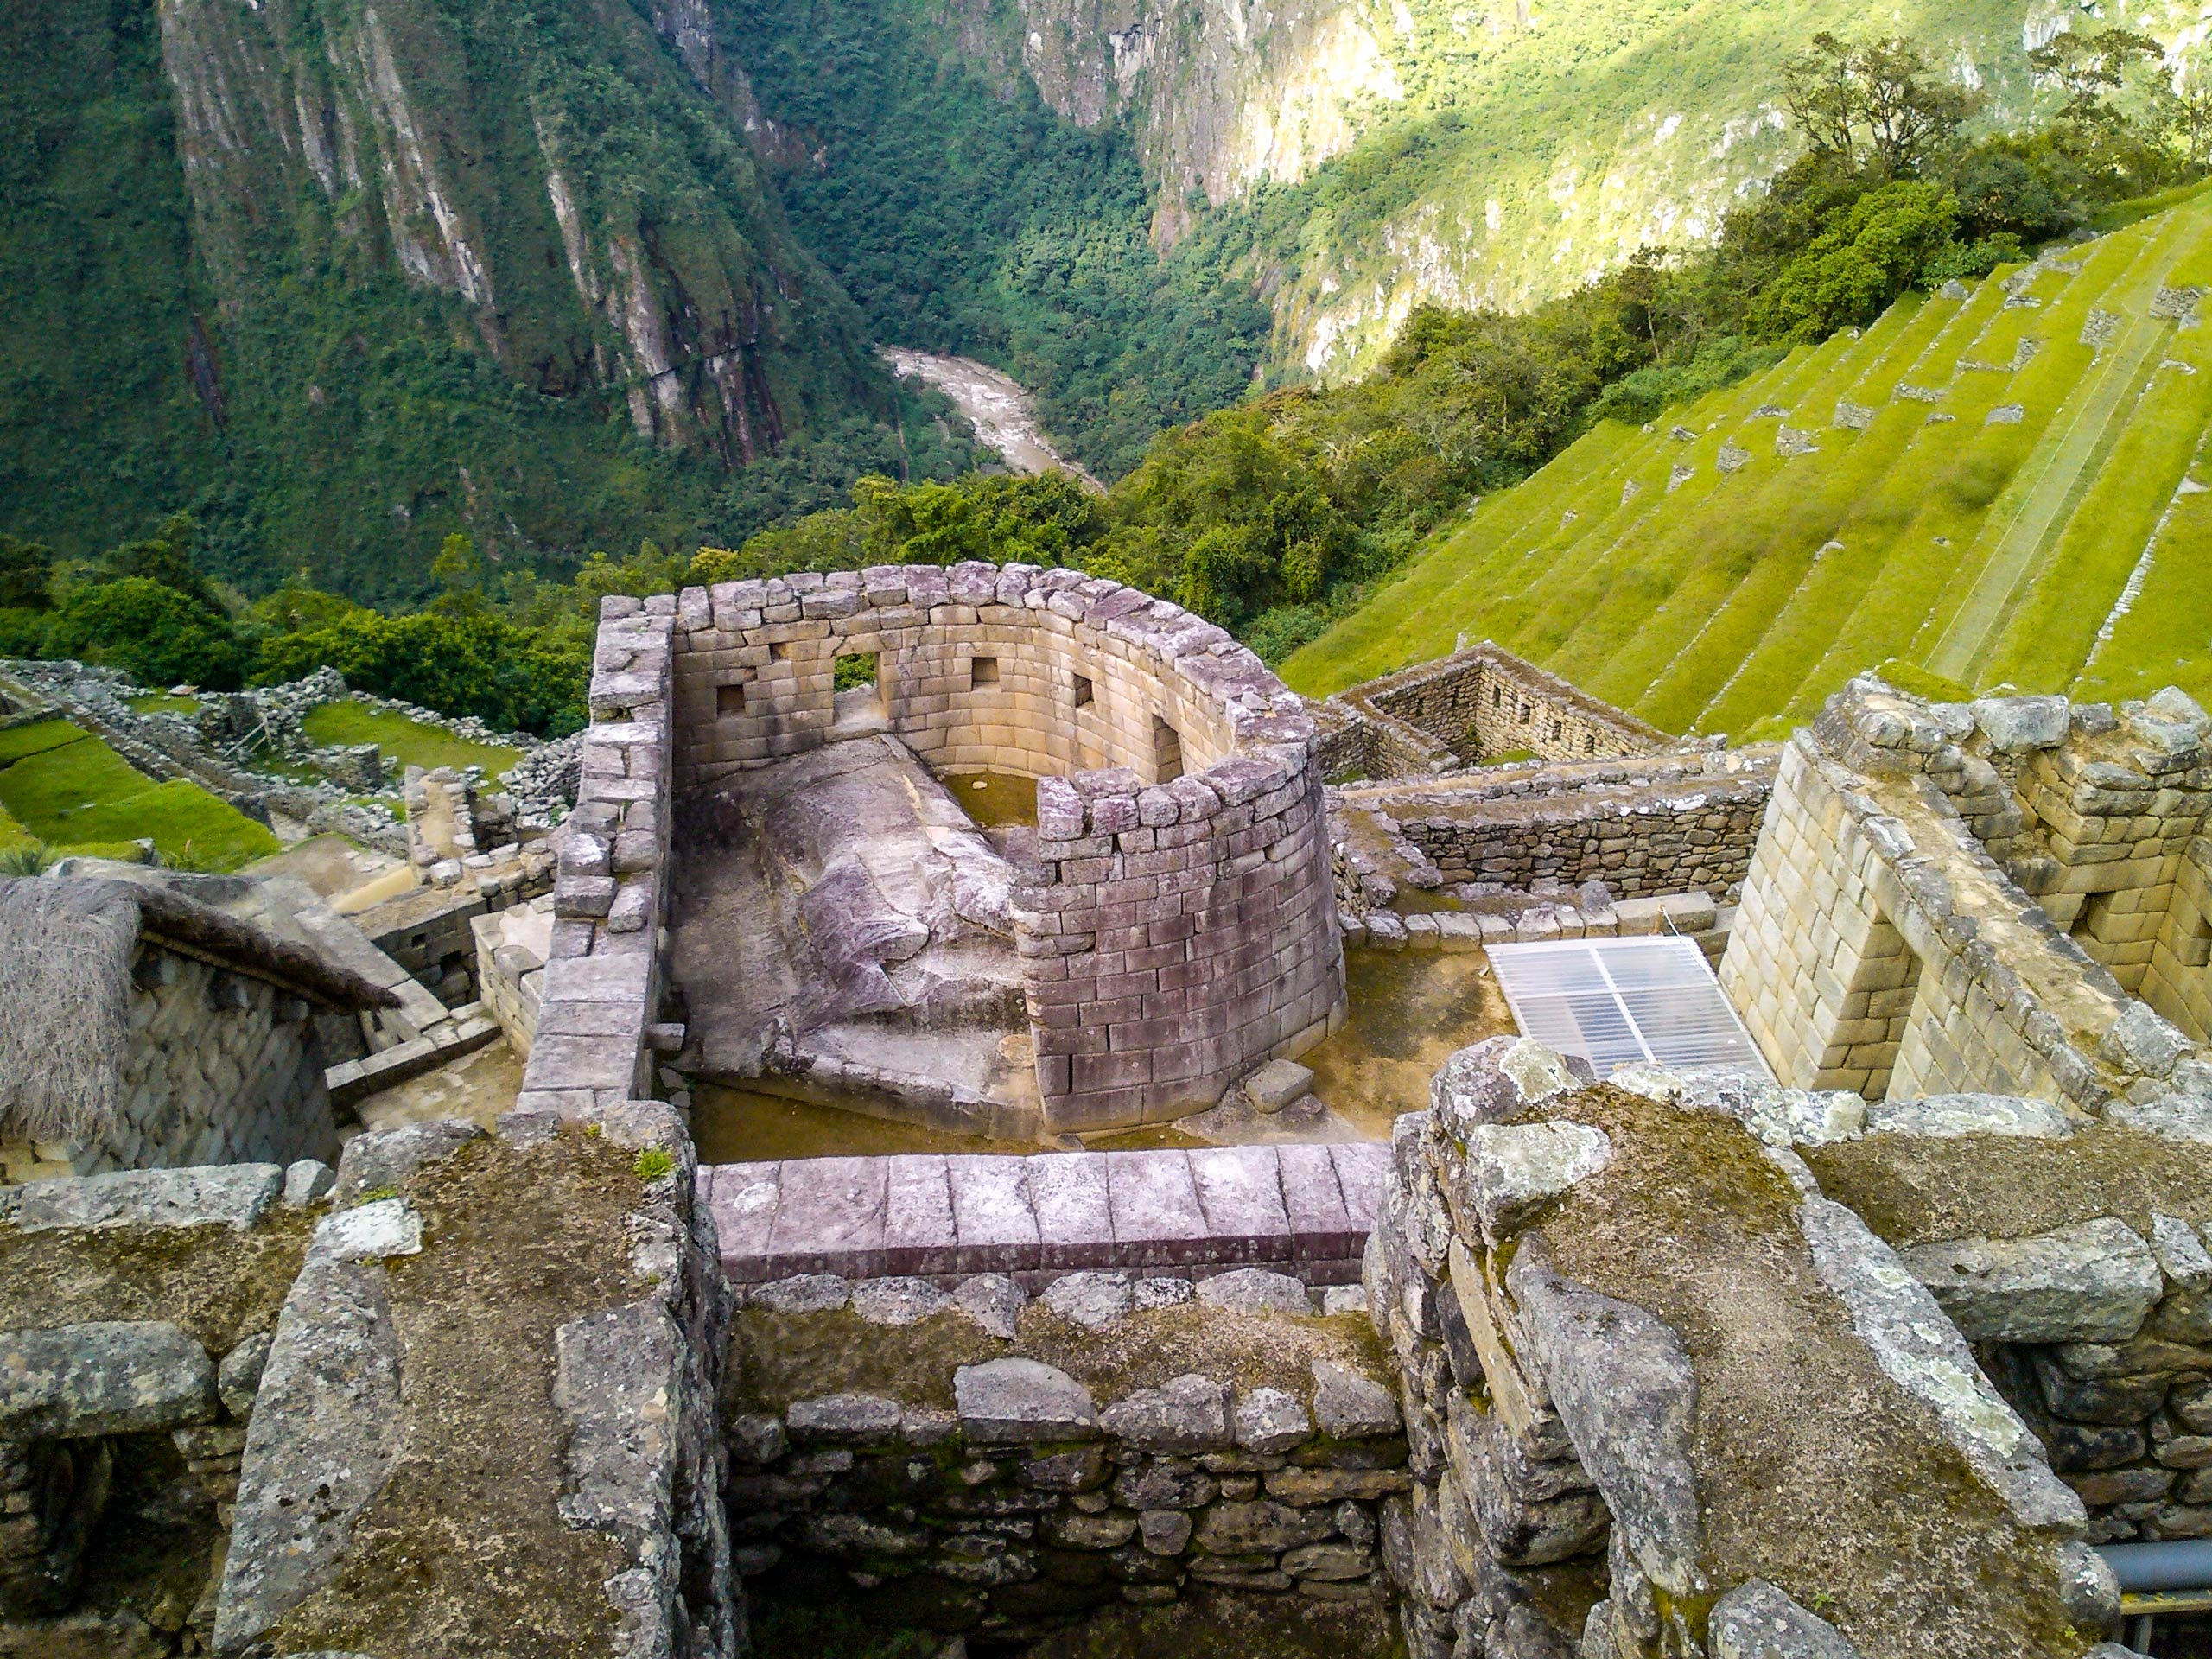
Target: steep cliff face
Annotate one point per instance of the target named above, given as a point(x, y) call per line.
point(541, 170)
point(1495, 153)
point(346, 276)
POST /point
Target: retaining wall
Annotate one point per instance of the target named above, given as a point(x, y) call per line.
point(1474, 705)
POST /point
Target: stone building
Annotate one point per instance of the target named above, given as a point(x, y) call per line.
point(141, 1029)
point(1170, 917)
point(2008, 895)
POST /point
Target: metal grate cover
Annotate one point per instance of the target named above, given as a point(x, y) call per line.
point(1619, 1002)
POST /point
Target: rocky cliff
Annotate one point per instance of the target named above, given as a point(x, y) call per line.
point(515, 164)
point(1494, 153)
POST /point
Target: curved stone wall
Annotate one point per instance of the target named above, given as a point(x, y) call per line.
point(1177, 926)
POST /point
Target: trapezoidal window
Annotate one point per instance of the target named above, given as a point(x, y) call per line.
point(982, 670)
point(850, 673)
point(1498, 697)
point(1166, 751)
point(1085, 693)
point(729, 699)
point(1589, 743)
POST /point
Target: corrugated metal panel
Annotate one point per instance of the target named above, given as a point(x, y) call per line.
point(1619, 1002)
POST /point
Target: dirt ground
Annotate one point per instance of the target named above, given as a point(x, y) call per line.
point(463, 1552)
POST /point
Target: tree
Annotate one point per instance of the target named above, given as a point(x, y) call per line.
point(149, 630)
point(165, 557)
point(2089, 69)
point(26, 568)
point(1870, 255)
point(1876, 104)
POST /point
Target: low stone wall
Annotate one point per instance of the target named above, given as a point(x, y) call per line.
point(602, 983)
point(511, 946)
point(135, 1314)
point(1303, 1209)
point(1693, 915)
point(1643, 828)
point(1175, 926)
point(990, 1464)
point(220, 1067)
point(1883, 943)
point(1474, 705)
point(1586, 1290)
point(2073, 1257)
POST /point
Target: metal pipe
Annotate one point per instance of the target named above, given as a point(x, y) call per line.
point(2180, 1564)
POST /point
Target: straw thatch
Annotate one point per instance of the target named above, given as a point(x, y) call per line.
point(67, 952)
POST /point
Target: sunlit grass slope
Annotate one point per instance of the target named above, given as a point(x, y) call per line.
point(2005, 487)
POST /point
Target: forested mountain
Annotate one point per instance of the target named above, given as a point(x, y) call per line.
point(344, 281)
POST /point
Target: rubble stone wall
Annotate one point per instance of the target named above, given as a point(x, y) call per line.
point(1644, 827)
point(1475, 705)
point(1560, 1502)
point(1176, 925)
point(220, 1067)
point(977, 1485)
point(134, 1326)
point(1890, 938)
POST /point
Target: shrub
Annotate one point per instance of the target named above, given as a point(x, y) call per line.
point(152, 632)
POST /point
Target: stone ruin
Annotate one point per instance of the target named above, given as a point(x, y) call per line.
point(1163, 927)
point(1876, 1359)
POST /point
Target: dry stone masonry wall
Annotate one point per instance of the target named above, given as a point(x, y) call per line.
point(1570, 1392)
point(1006, 1468)
point(1944, 898)
point(1175, 924)
point(1478, 704)
point(600, 995)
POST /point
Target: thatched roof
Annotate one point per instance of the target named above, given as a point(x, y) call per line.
point(67, 951)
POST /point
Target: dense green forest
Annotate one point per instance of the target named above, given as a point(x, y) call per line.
point(962, 216)
point(1272, 516)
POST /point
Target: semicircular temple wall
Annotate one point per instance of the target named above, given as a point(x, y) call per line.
point(1177, 925)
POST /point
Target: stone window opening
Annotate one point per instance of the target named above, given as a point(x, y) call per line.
point(1166, 751)
point(729, 699)
point(1893, 1006)
point(982, 671)
point(1498, 697)
point(1555, 730)
point(1527, 712)
point(1589, 743)
point(1084, 691)
point(778, 652)
point(857, 701)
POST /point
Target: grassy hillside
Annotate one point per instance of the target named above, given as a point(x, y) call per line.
point(2006, 486)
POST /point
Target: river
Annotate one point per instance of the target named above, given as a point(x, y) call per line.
point(999, 407)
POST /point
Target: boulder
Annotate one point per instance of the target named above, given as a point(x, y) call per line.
point(2094, 1282)
point(1513, 1170)
point(236, 1196)
point(76, 1381)
point(1493, 1080)
point(1093, 1300)
point(898, 1301)
point(1269, 1419)
point(995, 1301)
point(1255, 1290)
point(2018, 724)
point(1948, 1116)
point(1021, 1402)
point(1185, 1414)
point(1349, 1405)
point(1757, 1621)
point(1622, 1385)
